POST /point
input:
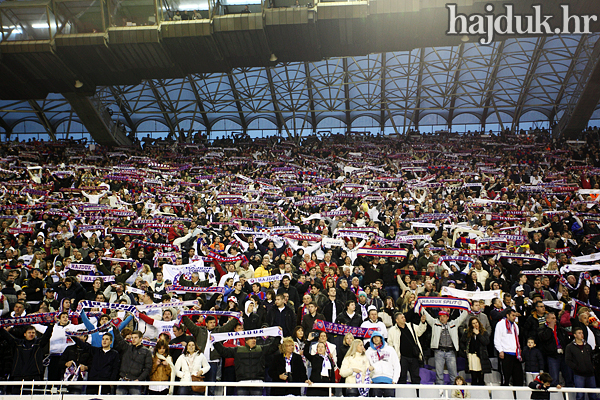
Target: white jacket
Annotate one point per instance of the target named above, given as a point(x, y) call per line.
point(186, 366)
point(367, 324)
point(358, 361)
point(395, 334)
point(388, 366)
point(503, 340)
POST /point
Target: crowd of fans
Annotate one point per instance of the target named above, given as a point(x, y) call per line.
point(360, 261)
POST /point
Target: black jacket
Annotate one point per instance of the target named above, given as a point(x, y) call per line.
point(547, 343)
point(28, 355)
point(104, 365)
point(298, 374)
point(539, 391)
point(78, 354)
point(315, 375)
point(249, 363)
point(288, 318)
point(308, 321)
point(533, 358)
point(31, 285)
point(328, 310)
point(482, 353)
point(136, 360)
point(580, 360)
point(343, 318)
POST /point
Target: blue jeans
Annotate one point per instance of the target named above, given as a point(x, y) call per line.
point(441, 358)
point(558, 365)
point(585, 382)
point(211, 376)
point(249, 391)
point(393, 291)
point(123, 390)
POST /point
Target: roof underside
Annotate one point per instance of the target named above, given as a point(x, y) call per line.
point(529, 79)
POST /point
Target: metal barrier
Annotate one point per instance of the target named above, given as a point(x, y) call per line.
point(54, 388)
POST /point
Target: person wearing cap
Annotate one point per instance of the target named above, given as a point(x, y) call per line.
point(373, 321)
point(385, 363)
point(444, 342)
point(249, 362)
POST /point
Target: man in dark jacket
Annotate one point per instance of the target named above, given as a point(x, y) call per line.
point(201, 335)
point(34, 287)
point(308, 320)
point(578, 356)
point(332, 306)
point(69, 288)
point(282, 315)
point(350, 317)
point(28, 354)
point(104, 364)
point(553, 340)
point(290, 290)
point(136, 361)
point(249, 362)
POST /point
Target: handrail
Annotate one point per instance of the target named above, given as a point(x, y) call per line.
point(27, 384)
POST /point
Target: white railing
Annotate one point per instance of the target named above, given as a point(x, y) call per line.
point(59, 388)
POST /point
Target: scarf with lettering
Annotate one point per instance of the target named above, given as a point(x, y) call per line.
point(264, 333)
point(44, 318)
point(466, 294)
point(234, 314)
point(194, 289)
point(338, 329)
point(438, 302)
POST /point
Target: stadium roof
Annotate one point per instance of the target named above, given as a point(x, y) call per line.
point(517, 79)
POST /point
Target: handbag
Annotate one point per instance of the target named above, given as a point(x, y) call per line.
point(198, 389)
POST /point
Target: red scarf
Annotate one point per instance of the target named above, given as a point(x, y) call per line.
point(509, 329)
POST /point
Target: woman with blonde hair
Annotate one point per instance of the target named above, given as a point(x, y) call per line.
point(355, 365)
point(287, 366)
point(407, 300)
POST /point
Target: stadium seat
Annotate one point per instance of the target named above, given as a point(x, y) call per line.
point(480, 394)
point(503, 394)
point(407, 393)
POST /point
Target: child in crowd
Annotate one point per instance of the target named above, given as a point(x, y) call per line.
point(534, 361)
point(541, 384)
point(460, 393)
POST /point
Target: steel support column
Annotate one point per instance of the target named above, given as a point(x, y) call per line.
point(491, 82)
point(200, 104)
point(313, 115)
point(238, 103)
point(347, 96)
point(461, 52)
point(43, 119)
point(123, 107)
point(278, 116)
point(529, 77)
point(163, 109)
point(416, 116)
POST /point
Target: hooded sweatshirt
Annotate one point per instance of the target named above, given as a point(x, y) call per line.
point(384, 360)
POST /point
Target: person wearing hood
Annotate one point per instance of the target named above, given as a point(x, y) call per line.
point(385, 363)
point(251, 318)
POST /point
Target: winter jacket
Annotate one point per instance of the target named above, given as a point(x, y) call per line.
point(539, 390)
point(384, 361)
point(395, 336)
point(200, 333)
point(298, 374)
point(547, 342)
point(28, 355)
point(482, 353)
point(533, 358)
point(249, 362)
point(136, 361)
point(308, 321)
point(580, 360)
point(78, 354)
point(289, 319)
point(436, 327)
point(345, 319)
point(358, 361)
point(186, 366)
point(105, 364)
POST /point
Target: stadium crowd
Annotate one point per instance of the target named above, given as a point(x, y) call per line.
point(336, 260)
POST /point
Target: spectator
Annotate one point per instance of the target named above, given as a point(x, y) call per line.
point(136, 361)
point(578, 356)
point(404, 338)
point(385, 363)
point(323, 369)
point(534, 361)
point(190, 363)
point(287, 366)
point(355, 366)
point(249, 361)
point(444, 342)
point(506, 342)
point(474, 344)
point(105, 363)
